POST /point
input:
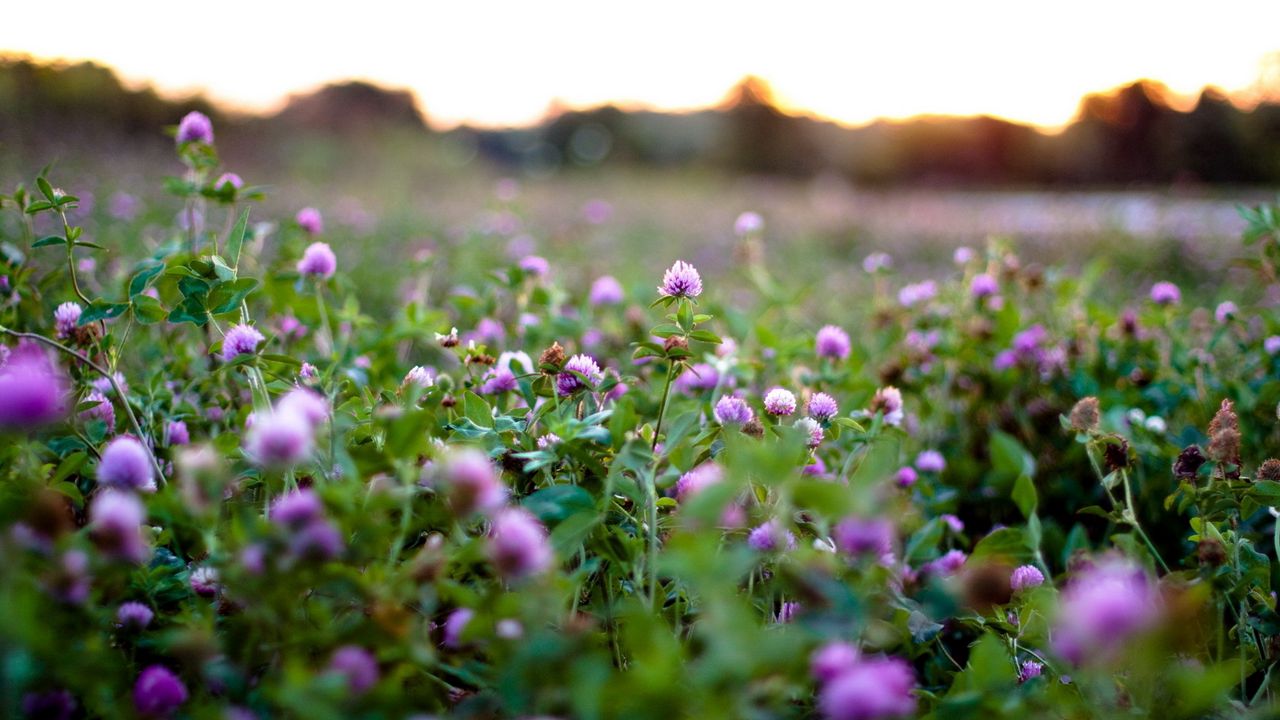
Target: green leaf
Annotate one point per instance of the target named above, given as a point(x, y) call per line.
point(227, 296)
point(148, 310)
point(101, 310)
point(1008, 457)
point(49, 240)
point(45, 189)
point(190, 310)
point(558, 502)
point(476, 409)
point(235, 241)
point(140, 279)
point(1003, 544)
point(1024, 494)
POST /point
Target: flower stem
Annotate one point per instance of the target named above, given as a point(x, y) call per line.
point(662, 408)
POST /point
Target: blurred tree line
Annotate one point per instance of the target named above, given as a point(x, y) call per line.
point(1133, 134)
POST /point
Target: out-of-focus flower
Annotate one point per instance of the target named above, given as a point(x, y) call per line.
point(126, 464)
point(115, 524)
point(697, 479)
point(877, 261)
point(697, 378)
point(33, 391)
point(310, 405)
point(318, 260)
point(812, 429)
point(241, 339)
point(1272, 344)
point(771, 536)
point(888, 400)
point(1165, 293)
point(1029, 669)
point(1103, 608)
point(1225, 312)
point(947, 565)
point(916, 293)
point(681, 280)
point(228, 180)
point(358, 665)
point(133, 616)
point(518, 545)
point(832, 659)
point(279, 439)
point(309, 219)
point(780, 402)
point(930, 461)
point(606, 290)
point(498, 380)
point(534, 265)
point(857, 536)
point(195, 127)
point(906, 476)
point(158, 692)
point(177, 433)
point(472, 483)
point(872, 688)
point(832, 342)
point(962, 256)
point(418, 376)
point(454, 625)
point(49, 705)
point(204, 581)
point(748, 223)
point(102, 409)
point(983, 286)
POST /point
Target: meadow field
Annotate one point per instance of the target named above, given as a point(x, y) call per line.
point(383, 431)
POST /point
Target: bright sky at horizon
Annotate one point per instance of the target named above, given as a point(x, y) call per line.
point(506, 61)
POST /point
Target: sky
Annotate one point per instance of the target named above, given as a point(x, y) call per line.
point(502, 62)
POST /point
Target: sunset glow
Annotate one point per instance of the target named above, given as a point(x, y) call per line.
point(499, 63)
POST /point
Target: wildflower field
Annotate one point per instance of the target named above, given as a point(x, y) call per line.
point(250, 468)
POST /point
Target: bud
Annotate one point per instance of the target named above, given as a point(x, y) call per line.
point(552, 359)
point(1224, 436)
point(1115, 455)
point(675, 342)
point(1189, 462)
point(1270, 470)
point(450, 340)
point(1084, 416)
point(1210, 553)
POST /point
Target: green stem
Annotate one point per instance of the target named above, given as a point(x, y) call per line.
point(71, 258)
point(322, 308)
point(1131, 516)
point(662, 408)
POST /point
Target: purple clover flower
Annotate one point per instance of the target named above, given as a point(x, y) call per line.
point(241, 339)
point(732, 410)
point(454, 625)
point(66, 318)
point(229, 179)
point(1029, 669)
point(278, 438)
point(780, 402)
point(1026, 577)
point(102, 409)
point(906, 476)
point(858, 536)
point(681, 281)
point(567, 383)
point(823, 407)
point(498, 380)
